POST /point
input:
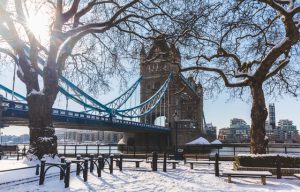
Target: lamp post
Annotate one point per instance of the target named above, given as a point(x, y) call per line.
point(175, 116)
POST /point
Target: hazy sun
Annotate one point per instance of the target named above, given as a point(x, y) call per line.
point(38, 20)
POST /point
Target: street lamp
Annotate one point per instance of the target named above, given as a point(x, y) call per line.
point(176, 117)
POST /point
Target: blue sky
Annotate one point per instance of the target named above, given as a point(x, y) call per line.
point(218, 111)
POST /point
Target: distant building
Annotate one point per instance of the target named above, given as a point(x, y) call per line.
point(238, 132)
point(286, 131)
point(210, 132)
point(105, 137)
point(272, 117)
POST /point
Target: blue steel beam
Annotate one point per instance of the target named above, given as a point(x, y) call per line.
point(121, 100)
point(20, 110)
point(147, 106)
point(12, 92)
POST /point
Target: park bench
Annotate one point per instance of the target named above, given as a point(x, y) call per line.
point(173, 162)
point(297, 175)
point(200, 163)
point(261, 174)
point(136, 161)
point(9, 150)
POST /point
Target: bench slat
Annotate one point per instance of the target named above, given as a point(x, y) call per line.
point(247, 173)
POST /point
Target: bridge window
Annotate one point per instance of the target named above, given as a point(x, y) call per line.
point(81, 115)
point(93, 117)
point(71, 113)
point(97, 117)
point(55, 111)
point(88, 116)
point(76, 114)
point(62, 112)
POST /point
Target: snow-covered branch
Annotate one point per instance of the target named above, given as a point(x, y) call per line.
point(281, 65)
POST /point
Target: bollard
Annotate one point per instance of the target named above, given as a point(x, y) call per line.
point(61, 175)
point(121, 162)
point(42, 172)
point(99, 165)
point(217, 172)
point(85, 169)
point(278, 171)
point(91, 163)
point(37, 169)
point(102, 162)
point(111, 164)
point(165, 163)
point(67, 176)
point(154, 161)
point(78, 165)
point(17, 156)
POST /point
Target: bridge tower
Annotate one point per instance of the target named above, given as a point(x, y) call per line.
point(184, 97)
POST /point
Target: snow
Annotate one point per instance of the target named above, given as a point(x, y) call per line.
point(45, 139)
point(199, 141)
point(216, 142)
point(121, 142)
point(35, 92)
point(201, 178)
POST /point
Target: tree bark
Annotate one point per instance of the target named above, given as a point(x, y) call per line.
point(259, 115)
point(42, 134)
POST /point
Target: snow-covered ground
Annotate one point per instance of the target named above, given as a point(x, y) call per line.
point(143, 179)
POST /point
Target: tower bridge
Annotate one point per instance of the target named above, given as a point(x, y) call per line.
point(165, 96)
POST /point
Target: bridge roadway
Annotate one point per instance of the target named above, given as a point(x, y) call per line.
point(16, 113)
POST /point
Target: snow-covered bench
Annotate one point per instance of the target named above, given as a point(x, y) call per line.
point(297, 175)
point(173, 162)
point(200, 163)
point(136, 161)
point(261, 174)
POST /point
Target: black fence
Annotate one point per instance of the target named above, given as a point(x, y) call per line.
point(224, 150)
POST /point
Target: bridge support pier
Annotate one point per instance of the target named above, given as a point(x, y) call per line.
point(150, 140)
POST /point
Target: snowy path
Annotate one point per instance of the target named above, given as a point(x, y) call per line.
point(181, 179)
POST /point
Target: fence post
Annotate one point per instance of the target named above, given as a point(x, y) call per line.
point(111, 164)
point(86, 150)
point(234, 151)
point(102, 162)
point(67, 176)
point(75, 150)
point(78, 165)
point(165, 163)
point(99, 165)
point(109, 149)
point(134, 150)
point(278, 171)
point(61, 175)
point(121, 162)
point(154, 161)
point(217, 173)
point(285, 149)
point(65, 149)
point(91, 162)
point(42, 172)
point(85, 170)
point(37, 169)
point(98, 149)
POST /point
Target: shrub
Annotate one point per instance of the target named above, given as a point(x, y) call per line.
point(268, 160)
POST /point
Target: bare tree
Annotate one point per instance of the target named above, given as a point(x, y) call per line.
point(81, 40)
point(248, 45)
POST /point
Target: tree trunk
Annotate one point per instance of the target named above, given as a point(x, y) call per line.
point(42, 134)
point(259, 115)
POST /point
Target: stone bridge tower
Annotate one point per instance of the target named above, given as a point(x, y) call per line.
point(185, 96)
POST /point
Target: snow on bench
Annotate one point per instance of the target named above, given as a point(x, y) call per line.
point(200, 162)
point(174, 162)
point(262, 174)
point(136, 161)
point(297, 175)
